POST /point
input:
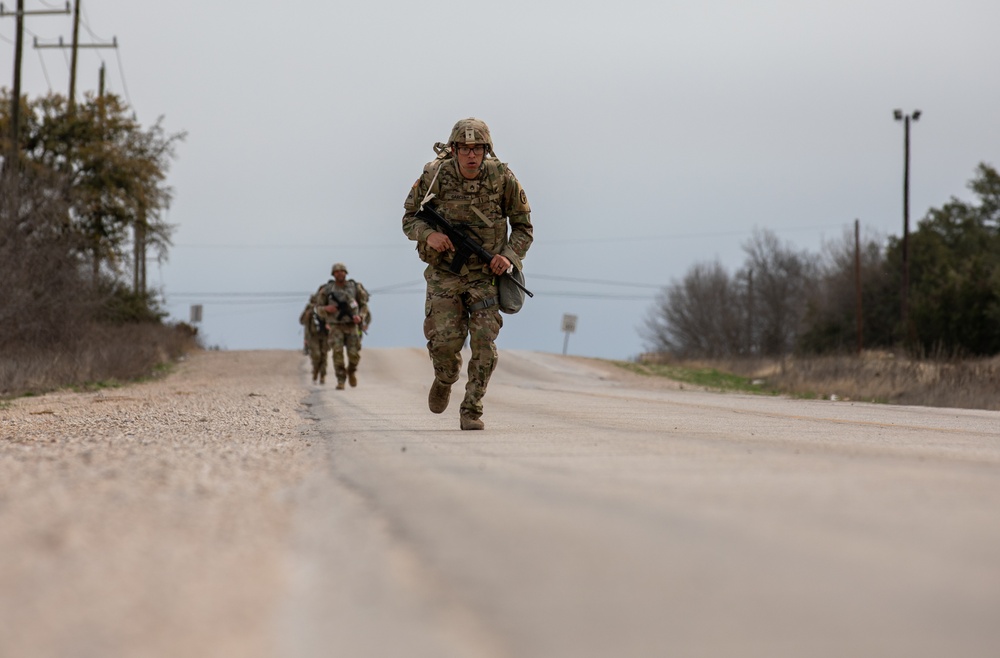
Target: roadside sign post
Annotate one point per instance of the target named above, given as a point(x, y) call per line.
point(568, 327)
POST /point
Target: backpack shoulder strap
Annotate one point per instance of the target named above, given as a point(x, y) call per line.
point(433, 168)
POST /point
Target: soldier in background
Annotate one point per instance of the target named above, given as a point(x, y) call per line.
point(344, 307)
point(471, 188)
point(316, 338)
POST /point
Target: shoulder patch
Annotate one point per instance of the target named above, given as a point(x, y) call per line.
point(524, 197)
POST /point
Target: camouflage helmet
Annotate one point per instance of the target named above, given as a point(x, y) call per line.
point(338, 267)
point(471, 131)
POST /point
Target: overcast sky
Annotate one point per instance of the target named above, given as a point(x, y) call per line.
point(649, 135)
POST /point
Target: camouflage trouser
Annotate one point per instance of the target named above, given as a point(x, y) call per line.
point(318, 347)
point(345, 336)
point(448, 321)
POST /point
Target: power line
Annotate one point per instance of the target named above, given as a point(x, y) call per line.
point(121, 74)
point(591, 295)
point(393, 286)
point(233, 299)
point(241, 294)
point(45, 70)
point(85, 21)
point(604, 282)
point(394, 245)
point(41, 60)
point(414, 287)
point(675, 236)
point(686, 236)
point(254, 302)
point(406, 284)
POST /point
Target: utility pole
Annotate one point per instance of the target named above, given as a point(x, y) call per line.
point(857, 280)
point(74, 47)
point(905, 289)
point(139, 253)
point(72, 67)
point(749, 312)
point(13, 156)
point(15, 108)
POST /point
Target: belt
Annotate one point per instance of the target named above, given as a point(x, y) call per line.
point(483, 304)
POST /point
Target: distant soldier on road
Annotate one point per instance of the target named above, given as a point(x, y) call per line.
point(470, 188)
point(344, 307)
point(316, 338)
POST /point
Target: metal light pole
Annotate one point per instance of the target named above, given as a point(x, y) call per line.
point(905, 289)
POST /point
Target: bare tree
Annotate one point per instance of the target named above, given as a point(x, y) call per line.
point(831, 319)
point(699, 316)
point(783, 282)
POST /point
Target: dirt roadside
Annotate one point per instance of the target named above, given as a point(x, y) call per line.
point(151, 520)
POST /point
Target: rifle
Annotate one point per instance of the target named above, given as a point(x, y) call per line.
point(318, 325)
point(464, 245)
point(345, 309)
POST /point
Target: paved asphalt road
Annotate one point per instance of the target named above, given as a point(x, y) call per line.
point(602, 515)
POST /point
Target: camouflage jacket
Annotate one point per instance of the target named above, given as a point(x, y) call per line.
point(314, 326)
point(349, 300)
point(485, 206)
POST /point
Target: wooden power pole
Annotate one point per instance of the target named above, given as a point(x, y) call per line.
point(857, 281)
point(14, 154)
point(75, 46)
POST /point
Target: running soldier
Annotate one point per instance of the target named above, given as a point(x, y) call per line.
point(471, 188)
point(344, 307)
point(316, 339)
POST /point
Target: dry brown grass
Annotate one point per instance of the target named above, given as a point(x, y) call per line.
point(99, 356)
point(874, 377)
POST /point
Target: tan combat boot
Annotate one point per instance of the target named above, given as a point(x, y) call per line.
point(469, 423)
point(340, 386)
point(352, 379)
point(437, 399)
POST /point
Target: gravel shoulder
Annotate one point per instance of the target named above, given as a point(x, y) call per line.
point(152, 519)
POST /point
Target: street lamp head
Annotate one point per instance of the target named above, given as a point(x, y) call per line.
point(897, 115)
point(916, 114)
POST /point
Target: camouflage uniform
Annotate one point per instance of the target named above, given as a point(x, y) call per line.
point(338, 305)
point(316, 335)
point(465, 303)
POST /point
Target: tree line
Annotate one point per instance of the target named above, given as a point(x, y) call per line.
point(82, 198)
point(783, 300)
